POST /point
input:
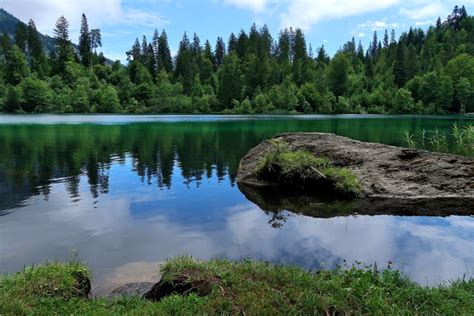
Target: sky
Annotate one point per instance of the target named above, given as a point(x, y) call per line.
point(325, 22)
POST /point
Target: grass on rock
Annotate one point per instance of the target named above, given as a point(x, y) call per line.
point(303, 168)
point(248, 287)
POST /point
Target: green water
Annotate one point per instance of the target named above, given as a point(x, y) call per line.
point(128, 189)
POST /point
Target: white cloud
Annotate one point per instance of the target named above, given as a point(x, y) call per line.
point(254, 5)
point(431, 10)
point(99, 13)
point(371, 26)
point(423, 23)
point(306, 13)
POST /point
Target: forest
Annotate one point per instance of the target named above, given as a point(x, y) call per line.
point(420, 72)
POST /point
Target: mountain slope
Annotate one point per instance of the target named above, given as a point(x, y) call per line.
point(9, 23)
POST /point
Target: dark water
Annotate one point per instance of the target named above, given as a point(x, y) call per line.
point(125, 192)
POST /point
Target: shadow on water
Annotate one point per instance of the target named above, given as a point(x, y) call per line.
point(276, 201)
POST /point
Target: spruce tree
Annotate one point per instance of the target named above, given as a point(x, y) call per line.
point(165, 61)
point(21, 36)
point(135, 53)
point(219, 52)
point(284, 47)
point(338, 75)
point(156, 44)
point(242, 44)
point(96, 40)
point(322, 56)
point(399, 67)
point(374, 46)
point(196, 46)
point(299, 47)
point(38, 58)
point(385, 40)
point(232, 43)
point(85, 42)
point(144, 50)
point(208, 54)
point(64, 51)
point(393, 39)
point(183, 71)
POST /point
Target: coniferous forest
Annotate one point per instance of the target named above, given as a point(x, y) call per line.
point(419, 72)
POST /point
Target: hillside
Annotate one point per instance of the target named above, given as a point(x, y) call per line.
point(8, 25)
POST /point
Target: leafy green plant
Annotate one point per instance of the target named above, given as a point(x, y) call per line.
point(410, 140)
point(460, 138)
point(438, 140)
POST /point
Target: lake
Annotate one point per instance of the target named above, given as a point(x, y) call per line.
point(125, 192)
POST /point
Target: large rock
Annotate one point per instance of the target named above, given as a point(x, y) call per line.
point(393, 180)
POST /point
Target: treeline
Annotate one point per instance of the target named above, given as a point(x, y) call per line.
point(420, 72)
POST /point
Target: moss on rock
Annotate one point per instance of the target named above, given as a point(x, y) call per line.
point(302, 169)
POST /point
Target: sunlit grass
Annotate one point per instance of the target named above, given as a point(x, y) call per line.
point(247, 287)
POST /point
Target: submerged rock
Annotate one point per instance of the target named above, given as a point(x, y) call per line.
point(392, 180)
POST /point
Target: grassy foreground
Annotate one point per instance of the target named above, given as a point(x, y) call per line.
point(249, 288)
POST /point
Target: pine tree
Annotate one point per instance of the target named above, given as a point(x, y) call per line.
point(385, 40)
point(438, 24)
point(208, 54)
point(242, 44)
point(360, 51)
point(156, 45)
point(299, 47)
point(374, 46)
point(219, 52)
point(266, 41)
point(230, 82)
point(150, 61)
point(322, 56)
point(21, 36)
point(253, 40)
point(135, 53)
point(96, 40)
point(232, 43)
point(183, 71)
point(284, 47)
point(85, 42)
point(165, 62)
point(338, 75)
point(196, 46)
point(144, 50)
point(64, 51)
point(38, 58)
point(393, 39)
point(399, 69)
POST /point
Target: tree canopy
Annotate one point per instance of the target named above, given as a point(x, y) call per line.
point(426, 72)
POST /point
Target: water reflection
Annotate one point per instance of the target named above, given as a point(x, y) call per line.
point(145, 192)
point(121, 230)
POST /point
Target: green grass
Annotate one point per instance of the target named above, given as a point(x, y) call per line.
point(302, 167)
point(461, 139)
point(248, 287)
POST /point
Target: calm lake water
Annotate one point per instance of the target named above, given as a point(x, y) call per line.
point(126, 192)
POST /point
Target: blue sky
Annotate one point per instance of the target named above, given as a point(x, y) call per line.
point(328, 22)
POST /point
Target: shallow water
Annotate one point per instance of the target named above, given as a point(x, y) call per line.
point(131, 191)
